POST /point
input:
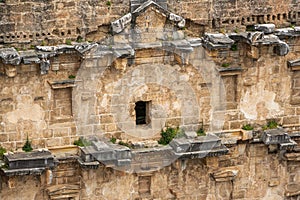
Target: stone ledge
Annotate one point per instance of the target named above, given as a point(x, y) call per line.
point(23, 172)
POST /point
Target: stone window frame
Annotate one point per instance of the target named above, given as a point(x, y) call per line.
point(59, 85)
point(294, 66)
point(236, 75)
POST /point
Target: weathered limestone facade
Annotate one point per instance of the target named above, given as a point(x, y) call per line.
point(168, 55)
point(25, 23)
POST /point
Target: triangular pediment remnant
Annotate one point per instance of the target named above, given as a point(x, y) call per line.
point(120, 24)
point(134, 4)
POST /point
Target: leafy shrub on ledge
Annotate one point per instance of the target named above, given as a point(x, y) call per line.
point(108, 3)
point(71, 76)
point(270, 125)
point(2, 151)
point(201, 132)
point(247, 127)
point(234, 47)
point(81, 142)
point(113, 140)
point(169, 134)
point(27, 146)
point(68, 42)
point(225, 65)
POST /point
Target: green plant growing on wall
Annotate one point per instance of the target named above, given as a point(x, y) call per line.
point(81, 142)
point(108, 3)
point(234, 47)
point(169, 134)
point(79, 39)
point(247, 127)
point(68, 42)
point(71, 76)
point(225, 64)
point(201, 132)
point(43, 43)
point(113, 140)
point(27, 146)
point(270, 125)
point(2, 151)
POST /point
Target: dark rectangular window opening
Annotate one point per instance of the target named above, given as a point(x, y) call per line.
point(142, 112)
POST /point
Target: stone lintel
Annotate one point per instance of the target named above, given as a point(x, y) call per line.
point(62, 84)
point(230, 71)
point(23, 172)
point(294, 64)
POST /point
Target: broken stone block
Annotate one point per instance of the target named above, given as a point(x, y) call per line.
point(209, 145)
point(108, 154)
point(120, 24)
point(177, 18)
point(282, 49)
point(29, 57)
point(190, 134)
point(278, 138)
point(44, 66)
point(10, 56)
point(266, 28)
point(275, 136)
point(217, 41)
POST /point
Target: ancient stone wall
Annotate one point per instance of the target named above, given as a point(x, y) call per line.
point(249, 171)
point(52, 95)
point(32, 106)
point(26, 23)
point(52, 22)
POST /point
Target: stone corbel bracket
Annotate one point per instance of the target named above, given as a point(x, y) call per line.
point(280, 138)
point(224, 175)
